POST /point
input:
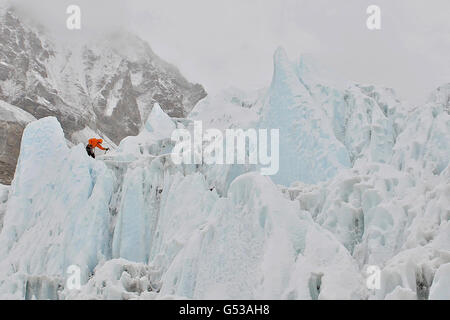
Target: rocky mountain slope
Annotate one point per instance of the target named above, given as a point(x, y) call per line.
point(108, 85)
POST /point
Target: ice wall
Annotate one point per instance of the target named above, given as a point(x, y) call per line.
point(57, 213)
point(4, 190)
point(309, 151)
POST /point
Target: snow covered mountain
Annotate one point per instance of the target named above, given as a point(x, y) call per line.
point(364, 181)
point(106, 87)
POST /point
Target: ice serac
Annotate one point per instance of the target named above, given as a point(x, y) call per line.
point(177, 235)
point(159, 123)
point(154, 138)
point(423, 147)
point(309, 151)
point(48, 225)
point(230, 109)
point(441, 284)
point(4, 190)
point(366, 119)
point(253, 245)
point(397, 220)
point(441, 96)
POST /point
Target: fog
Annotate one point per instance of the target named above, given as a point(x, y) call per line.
point(231, 43)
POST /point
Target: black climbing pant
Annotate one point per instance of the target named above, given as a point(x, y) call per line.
point(90, 151)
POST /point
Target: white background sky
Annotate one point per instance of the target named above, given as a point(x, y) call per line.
point(220, 43)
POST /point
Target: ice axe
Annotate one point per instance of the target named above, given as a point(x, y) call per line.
point(106, 150)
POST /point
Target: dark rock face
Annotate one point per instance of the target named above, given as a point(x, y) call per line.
point(10, 136)
point(109, 86)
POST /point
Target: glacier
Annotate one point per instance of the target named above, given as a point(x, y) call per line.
point(364, 181)
point(4, 191)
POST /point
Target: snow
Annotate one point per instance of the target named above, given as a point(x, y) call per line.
point(136, 78)
point(12, 113)
point(4, 190)
point(114, 97)
point(364, 181)
point(116, 279)
point(400, 293)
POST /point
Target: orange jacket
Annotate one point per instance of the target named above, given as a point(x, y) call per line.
point(96, 143)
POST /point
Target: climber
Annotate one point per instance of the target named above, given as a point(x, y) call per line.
point(92, 144)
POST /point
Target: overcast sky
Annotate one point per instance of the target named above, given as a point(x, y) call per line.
point(220, 43)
